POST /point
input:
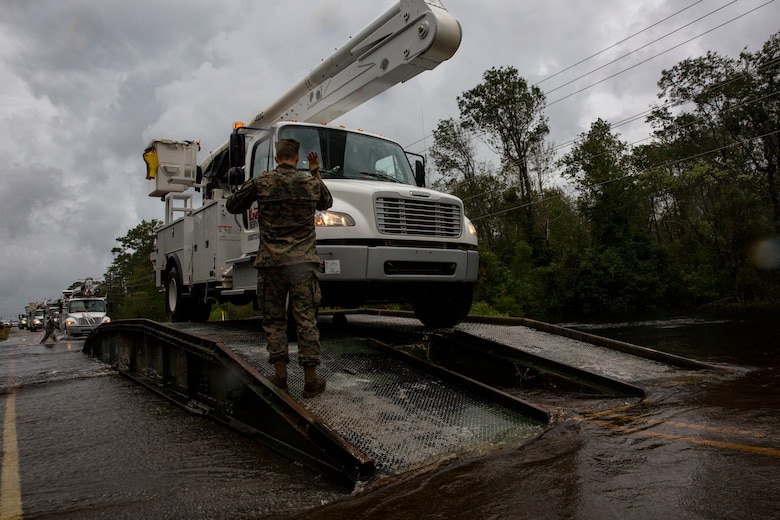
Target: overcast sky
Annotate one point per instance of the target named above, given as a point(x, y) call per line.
point(86, 84)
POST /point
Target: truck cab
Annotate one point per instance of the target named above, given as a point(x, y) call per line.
point(387, 238)
point(38, 320)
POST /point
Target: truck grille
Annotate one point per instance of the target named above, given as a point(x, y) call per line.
point(396, 216)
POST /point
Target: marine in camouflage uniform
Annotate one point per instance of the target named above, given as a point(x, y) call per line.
point(287, 260)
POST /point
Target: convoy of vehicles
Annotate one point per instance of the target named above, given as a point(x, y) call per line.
point(387, 237)
point(79, 311)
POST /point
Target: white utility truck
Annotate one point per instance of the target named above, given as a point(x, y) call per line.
point(386, 239)
point(83, 309)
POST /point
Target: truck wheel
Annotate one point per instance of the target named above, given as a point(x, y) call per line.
point(443, 304)
point(175, 302)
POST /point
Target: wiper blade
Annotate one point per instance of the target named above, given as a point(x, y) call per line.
point(381, 176)
point(335, 171)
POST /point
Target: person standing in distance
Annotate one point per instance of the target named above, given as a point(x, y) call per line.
point(287, 260)
point(49, 328)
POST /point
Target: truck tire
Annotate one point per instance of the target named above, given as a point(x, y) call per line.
point(176, 304)
point(443, 304)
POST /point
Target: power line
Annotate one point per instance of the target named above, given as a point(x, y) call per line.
point(707, 90)
point(589, 57)
point(622, 177)
point(633, 66)
point(677, 127)
point(657, 55)
point(640, 48)
point(618, 43)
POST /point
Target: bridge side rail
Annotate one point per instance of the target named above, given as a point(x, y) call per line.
point(621, 346)
point(205, 377)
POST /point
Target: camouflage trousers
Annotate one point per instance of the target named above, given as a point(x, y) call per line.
point(301, 282)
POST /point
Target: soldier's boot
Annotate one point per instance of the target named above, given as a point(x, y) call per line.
point(314, 385)
point(280, 376)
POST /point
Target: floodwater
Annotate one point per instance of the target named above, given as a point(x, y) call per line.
point(706, 446)
point(702, 449)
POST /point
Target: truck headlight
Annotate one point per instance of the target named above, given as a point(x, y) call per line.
point(471, 227)
point(332, 219)
point(106, 319)
point(69, 322)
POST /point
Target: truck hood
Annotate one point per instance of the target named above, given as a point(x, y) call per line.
point(346, 188)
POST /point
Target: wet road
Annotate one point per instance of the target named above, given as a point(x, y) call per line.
point(92, 444)
point(707, 447)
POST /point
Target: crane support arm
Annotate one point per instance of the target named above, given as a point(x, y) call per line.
point(409, 38)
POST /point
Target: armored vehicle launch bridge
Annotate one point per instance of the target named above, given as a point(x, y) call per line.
point(401, 397)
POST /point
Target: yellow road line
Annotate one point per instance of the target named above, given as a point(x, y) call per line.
point(615, 413)
point(729, 431)
point(611, 411)
point(10, 487)
point(682, 438)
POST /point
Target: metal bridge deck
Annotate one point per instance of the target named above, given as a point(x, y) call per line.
point(400, 416)
point(594, 354)
point(400, 396)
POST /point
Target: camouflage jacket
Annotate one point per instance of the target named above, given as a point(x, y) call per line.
point(286, 203)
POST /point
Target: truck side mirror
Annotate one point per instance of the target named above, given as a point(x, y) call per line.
point(198, 178)
point(236, 176)
point(237, 149)
point(419, 173)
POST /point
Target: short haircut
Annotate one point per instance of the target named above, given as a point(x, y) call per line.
point(287, 149)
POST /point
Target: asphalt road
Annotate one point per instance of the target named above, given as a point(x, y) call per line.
point(81, 441)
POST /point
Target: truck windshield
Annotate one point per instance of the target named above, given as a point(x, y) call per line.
point(350, 155)
point(87, 306)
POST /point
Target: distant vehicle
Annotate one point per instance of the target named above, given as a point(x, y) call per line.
point(22, 321)
point(83, 315)
point(38, 320)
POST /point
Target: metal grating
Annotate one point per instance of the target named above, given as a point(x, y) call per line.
point(598, 360)
point(401, 417)
point(396, 216)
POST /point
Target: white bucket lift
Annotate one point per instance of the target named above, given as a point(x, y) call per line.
point(171, 166)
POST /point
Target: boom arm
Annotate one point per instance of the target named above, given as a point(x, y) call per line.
point(409, 38)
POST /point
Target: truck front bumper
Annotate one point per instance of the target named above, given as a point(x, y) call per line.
point(349, 263)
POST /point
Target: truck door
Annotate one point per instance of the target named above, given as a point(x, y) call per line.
point(262, 160)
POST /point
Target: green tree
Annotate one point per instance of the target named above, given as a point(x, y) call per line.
point(455, 159)
point(714, 165)
point(510, 113)
point(610, 197)
point(620, 270)
point(129, 281)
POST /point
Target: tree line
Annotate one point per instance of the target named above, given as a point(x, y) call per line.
point(687, 219)
point(690, 218)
